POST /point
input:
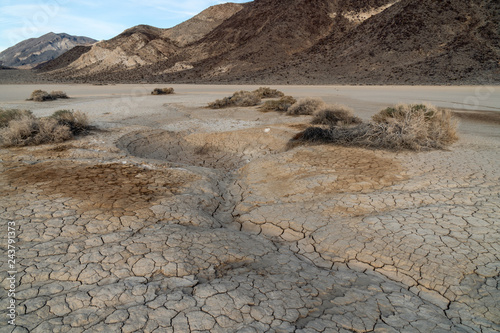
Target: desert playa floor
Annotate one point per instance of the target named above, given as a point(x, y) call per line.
point(175, 218)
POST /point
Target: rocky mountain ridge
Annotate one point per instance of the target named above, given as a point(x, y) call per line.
point(308, 42)
point(34, 51)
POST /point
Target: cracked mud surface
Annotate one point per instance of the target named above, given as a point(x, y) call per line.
point(143, 229)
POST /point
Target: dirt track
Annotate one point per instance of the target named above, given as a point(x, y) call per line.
point(176, 218)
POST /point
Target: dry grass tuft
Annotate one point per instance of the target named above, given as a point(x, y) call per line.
point(335, 115)
point(411, 127)
point(266, 92)
point(42, 96)
point(28, 131)
point(77, 121)
point(280, 105)
point(162, 91)
point(12, 114)
point(58, 94)
point(306, 106)
point(240, 98)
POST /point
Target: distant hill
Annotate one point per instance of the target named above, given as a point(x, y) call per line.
point(64, 59)
point(31, 52)
point(307, 42)
point(145, 45)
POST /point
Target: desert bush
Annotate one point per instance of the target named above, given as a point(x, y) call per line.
point(162, 91)
point(29, 130)
point(417, 126)
point(306, 106)
point(335, 115)
point(40, 96)
point(413, 127)
point(58, 94)
point(77, 121)
point(280, 105)
point(266, 92)
point(240, 98)
point(11, 114)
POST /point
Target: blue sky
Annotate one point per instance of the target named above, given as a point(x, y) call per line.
point(23, 19)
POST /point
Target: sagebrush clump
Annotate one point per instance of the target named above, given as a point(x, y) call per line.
point(42, 96)
point(412, 127)
point(27, 130)
point(58, 94)
point(280, 105)
point(240, 98)
point(306, 106)
point(77, 121)
point(266, 92)
point(162, 91)
point(335, 115)
point(11, 114)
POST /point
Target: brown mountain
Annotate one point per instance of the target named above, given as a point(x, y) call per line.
point(309, 41)
point(145, 45)
point(33, 51)
point(422, 41)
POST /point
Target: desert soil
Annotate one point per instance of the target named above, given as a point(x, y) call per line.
point(175, 218)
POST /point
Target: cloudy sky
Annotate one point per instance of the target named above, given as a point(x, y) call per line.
point(104, 19)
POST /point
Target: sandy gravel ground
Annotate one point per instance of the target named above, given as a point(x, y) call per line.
point(176, 218)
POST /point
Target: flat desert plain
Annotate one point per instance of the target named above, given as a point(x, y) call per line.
point(171, 217)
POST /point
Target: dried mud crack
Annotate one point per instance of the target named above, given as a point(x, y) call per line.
point(228, 232)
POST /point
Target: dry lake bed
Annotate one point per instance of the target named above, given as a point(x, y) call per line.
point(172, 217)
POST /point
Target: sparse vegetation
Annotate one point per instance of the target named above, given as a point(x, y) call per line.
point(306, 106)
point(27, 130)
point(42, 96)
point(240, 98)
point(335, 115)
point(413, 127)
point(280, 105)
point(162, 91)
point(58, 94)
point(266, 92)
point(77, 121)
point(12, 114)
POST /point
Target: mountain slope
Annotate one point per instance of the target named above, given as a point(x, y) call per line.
point(422, 41)
point(145, 45)
point(309, 42)
point(34, 51)
point(272, 31)
point(64, 59)
point(258, 35)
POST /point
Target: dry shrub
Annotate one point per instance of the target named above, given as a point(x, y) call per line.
point(335, 115)
point(240, 98)
point(40, 96)
point(58, 94)
point(306, 106)
point(11, 114)
point(266, 92)
point(28, 130)
point(416, 126)
point(77, 121)
point(413, 127)
point(162, 91)
point(280, 105)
